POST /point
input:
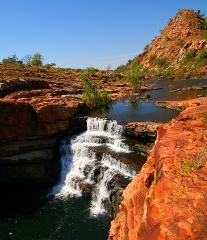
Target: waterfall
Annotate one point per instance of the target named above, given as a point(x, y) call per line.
point(83, 163)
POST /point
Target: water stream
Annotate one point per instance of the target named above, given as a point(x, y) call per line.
point(82, 163)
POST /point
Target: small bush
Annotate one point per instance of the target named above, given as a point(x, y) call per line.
point(167, 38)
point(12, 59)
point(91, 70)
point(50, 65)
point(203, 35)
point(180, 42)
point(153, 57)
point(202, 15)
point(135, 78)
point(121, 68)
point(189, 56)
point(202, 56)
point(91, 96)
point(205, 117)
point(189, 165)
point(146, 47)
point(129, 61)
point(162, 62)
point(37, 60)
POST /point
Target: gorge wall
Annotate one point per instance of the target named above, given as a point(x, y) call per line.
point(168, 198)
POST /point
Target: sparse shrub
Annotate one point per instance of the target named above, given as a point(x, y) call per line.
point(152, 57)
point(180, 42)
point(202, 15)
point(189, 56)
point(167, 38)
point(189, 165)
point(91, 96)
point(146, 47)
point(129, 61)
point(37, 60)
point(202, 57)
point(91, 70)
point(121, 68)
point(162, 62)
point(50, 65)
point(12, 59)
point(135, 78)
point(179, 193)
point(203, 35)
point(205, 117)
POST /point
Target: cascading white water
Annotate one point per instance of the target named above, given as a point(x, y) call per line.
point(80, 162)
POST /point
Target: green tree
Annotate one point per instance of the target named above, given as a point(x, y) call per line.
point(12, 59)
point(91, 96)
point(37, 59)
point(135, 78)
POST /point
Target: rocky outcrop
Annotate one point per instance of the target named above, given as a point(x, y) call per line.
point(168, 198)
point(183, 104)
point(145, 131)
point(7, 87)
point(183, 33)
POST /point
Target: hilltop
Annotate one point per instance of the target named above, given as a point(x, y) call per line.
point(181, 46)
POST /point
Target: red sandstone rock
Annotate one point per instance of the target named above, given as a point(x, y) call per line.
point(184, 103)
point(143, 127)
point(167, 200)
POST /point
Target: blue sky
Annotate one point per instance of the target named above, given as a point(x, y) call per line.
point(84, 33)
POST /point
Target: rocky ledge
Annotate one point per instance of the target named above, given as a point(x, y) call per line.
point(168, 198)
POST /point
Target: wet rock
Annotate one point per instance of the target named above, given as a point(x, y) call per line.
point(143, 149)
point(183, 104)
point(145, 131)
point(116, 185)
point(87, 189)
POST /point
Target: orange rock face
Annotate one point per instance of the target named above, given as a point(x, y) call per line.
point(168, 199)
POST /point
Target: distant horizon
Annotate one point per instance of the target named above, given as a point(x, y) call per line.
point(76, 34)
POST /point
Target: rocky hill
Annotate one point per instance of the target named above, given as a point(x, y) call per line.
point(181, 44)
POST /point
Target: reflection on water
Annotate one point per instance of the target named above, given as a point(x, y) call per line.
point(134, 110)
point(182, 89)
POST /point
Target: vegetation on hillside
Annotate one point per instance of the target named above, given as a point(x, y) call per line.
point(172, 52)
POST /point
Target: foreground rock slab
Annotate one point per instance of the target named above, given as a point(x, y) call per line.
point(168, 199)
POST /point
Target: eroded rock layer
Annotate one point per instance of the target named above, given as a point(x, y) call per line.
point(168, 198)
